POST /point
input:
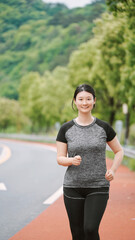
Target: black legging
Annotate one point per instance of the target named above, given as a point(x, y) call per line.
point(85, 208)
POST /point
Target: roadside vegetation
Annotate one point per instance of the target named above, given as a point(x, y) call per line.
point(46, 50)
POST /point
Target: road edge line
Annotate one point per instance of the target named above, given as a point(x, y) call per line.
point(54, 196)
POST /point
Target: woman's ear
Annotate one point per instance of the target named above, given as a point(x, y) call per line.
point(73, 102)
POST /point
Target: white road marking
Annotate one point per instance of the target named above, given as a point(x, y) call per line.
point(3, 187)
point(54, 197)
point(133, 219)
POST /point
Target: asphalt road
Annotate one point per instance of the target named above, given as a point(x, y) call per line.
point(31, 175)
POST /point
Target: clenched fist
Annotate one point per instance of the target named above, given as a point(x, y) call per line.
point(109, 175)
point(77, 160)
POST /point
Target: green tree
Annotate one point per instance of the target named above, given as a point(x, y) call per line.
point(122, 6)
point(99, 62)
point(126, 9)
point(11, 115)
point(58, 95)
point(31, 40)
point(44, 99)
point(31, 90)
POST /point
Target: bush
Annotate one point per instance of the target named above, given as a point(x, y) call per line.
point(132, 135)
point(11, 115)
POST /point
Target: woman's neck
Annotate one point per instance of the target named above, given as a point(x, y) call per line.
point(84, 119)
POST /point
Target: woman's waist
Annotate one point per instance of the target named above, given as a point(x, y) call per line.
point(84, 192)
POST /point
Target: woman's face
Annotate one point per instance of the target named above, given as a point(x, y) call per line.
point(84, 101)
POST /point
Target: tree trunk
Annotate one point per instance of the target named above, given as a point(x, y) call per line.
point(127, 120)
point(112, 115)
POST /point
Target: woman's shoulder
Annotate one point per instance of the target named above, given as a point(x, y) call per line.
point(102, 123)
point(110, 132)
point(62, 131)
point(66, 125)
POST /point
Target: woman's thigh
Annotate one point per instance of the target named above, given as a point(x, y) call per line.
point(75, 211)
point(94, 208)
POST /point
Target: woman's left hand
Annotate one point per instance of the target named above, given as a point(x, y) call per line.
point(109, 175)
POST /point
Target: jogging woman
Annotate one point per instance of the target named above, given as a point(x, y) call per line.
point(81, 146)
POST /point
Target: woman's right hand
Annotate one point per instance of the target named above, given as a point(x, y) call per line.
point(76, 160)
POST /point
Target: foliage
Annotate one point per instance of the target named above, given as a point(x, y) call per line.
point(31, 90)
point(35, 37)
point(126, 10)
point(99, 62)
point(43, 99)
point(39, 37)
point(107, 61)
point(61, 93)
point(11, 115)
point(132, 135)
point(122, 6)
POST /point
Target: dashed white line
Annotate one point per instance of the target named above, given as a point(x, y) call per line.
point(54, 197)
point(3, 187)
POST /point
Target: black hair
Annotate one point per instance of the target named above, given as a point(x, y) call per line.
point(83, 87)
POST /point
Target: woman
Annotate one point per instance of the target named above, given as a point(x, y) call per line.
point(81, 145)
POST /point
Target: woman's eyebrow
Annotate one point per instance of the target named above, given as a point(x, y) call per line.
point(86, 97)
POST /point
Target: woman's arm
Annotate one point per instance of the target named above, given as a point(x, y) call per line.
point(118, 151)
point(62, 158)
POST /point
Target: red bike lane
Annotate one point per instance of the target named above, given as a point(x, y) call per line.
point(118, 222)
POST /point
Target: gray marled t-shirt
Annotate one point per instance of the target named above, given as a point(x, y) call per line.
point(90, 143)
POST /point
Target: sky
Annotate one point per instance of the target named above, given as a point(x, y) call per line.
point(70, 3)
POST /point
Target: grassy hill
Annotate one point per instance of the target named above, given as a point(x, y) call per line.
point(35, 36)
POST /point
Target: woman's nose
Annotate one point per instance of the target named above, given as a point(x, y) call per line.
point(84, 102)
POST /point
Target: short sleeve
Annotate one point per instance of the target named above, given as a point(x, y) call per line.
point(110, 133)
point(61, 135)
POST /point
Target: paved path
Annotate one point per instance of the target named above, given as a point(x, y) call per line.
point(29, 175)
point(118, 222)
